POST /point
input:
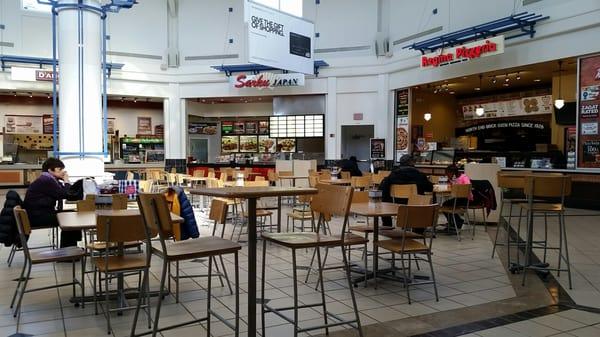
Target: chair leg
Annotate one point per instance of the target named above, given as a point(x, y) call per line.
point(262, 287)
point(218, 270)
point(350, 286)
point(567, 260)
point(405, 278)
point(11, 255)
point(545, 236)
point(160, 298)
point(321, 281)
point(95, 294)
point(560, 241)
point(528, 247)
point(176, 282)
point(19, 281)
point(23, 289)
point(312, 261)
point(141, 296)
point(237, 295)
point(107, 303)
point(483, 213)
point(225, 274)
point(497, 229)
point(83, 263)
point(437, 298)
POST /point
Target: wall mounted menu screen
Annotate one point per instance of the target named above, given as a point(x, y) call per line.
point(296, 126)
point(588, 139)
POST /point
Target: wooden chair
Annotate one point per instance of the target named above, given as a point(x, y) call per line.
point(69, 254)
point(155, 214)
point(345, 175)
point(87, 205)
point(261, 212)
point(357, 198)
point(398, 233)
point(300, 213)
point(409, 218)
point(272, 177)
point(116, 230)
point(360, 183)
point(313, 181)
point(130, 175)
point(459, 191)
point(259, 178)
point(119, 201)
point(402, 191)
point(376, 179)
point(547, 186)
point(198, 174)
point(325, 175)
point(330, 200)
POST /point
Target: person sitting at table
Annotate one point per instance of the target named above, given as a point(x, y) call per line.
point(455, 177)
point(42, 196)
point(351, 165)
point(404, 174)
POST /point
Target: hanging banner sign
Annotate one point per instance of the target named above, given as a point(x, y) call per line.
point(31, 74)
point(465, 52)
point(267, 81)
point(588, 138)
point(511, 125)
point(278, 39)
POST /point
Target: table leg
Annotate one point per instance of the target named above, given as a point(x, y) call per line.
point(375, 248)
point(252, 267)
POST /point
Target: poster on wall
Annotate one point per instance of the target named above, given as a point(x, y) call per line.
point(202, 128)
point(23, 124)
point(588, 138)
point(226, 127)
point(230, 144)
point(287, 144)
point(402, 138)
point(48, 124)
point(144, 125)
point(266, 144)
point(263, 127)
point(110, 129)
point(251, 128)
point(249, 144)
point(377, 148)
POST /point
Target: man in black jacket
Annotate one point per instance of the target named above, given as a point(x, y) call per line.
point(404, 174)
point(351, 165)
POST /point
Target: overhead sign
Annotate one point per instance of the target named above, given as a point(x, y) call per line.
point(31, 74)
point(465, 52)
point(588, 139)
point(510, 124)
point(267, 80)
point(278, 39)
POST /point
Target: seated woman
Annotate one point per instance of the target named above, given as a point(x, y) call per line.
point(43, 195)
point(455, 177)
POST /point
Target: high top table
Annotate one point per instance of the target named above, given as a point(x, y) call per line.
point(252, 194)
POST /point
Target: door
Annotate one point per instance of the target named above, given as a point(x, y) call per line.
point(199, 149)
point(356, 142)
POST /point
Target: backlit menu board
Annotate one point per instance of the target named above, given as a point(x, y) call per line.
point(588, 141)
point(296, 126)
point(402, 143)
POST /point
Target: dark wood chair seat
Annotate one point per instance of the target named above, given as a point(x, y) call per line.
point(259, 213)
point(543, 207)
point(312, 240)
point(121, 263)
point(410, 246)
point(196, 248)
point(101, 245)
point(362, 229)
point(398, 233)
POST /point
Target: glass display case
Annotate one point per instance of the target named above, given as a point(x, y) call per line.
point(423, 158)
point(443, 157)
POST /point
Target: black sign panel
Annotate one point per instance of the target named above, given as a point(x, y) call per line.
point(299, 45)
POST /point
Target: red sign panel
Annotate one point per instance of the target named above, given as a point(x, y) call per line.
point(588, 141)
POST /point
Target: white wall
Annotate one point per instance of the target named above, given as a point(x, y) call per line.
point(230, 109)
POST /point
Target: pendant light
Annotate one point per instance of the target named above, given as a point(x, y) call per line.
point(479, 111)
point(427, 116)
point(559, 103)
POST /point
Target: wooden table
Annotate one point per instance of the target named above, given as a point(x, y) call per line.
point(374, 210)
point(336, 181)
point(77, 221)
point(252, 194)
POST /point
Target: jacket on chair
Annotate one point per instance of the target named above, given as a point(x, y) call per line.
point(180, 205)
point(8, 226)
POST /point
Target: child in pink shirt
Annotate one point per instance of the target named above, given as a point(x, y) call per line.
point(455, 177)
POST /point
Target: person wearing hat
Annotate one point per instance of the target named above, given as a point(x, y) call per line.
point(404, 174)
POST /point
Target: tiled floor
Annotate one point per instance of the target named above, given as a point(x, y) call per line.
point(562, 324)
point(472, 286)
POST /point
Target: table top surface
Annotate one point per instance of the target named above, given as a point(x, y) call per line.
point(253, 192)
point(441, 188)
point(374, 209)
point(293, 177)
point(336, 181)
point(87, 220)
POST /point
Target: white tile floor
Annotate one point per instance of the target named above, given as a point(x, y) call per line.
point(565, 323)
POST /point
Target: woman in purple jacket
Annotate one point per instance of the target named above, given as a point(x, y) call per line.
point(43, 195)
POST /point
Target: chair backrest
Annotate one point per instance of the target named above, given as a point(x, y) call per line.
point(218, 211)
point(120, 228)
point(23, 226)
point(419, 200)
point(360, 182)
point(434, 179)
point(198, 173)
point(417, 216)
point(512, 180)
point(256, 183)
point(145, 185)
point(223, 176)
point(460, 191)
point(345, 175)
point(155, 213)
point(325, 175)
point(173, 170)
point(359, 197)
point(130, 175)
point(119, 201)
point(212, 182)
point(313, 181)
point(377, 178)
point(403, 191)
point(211, 174)
point(332, 200)
point(285, 173)
point(87, 205)
point(272, 176)
point(384, 173)
point(260, 178)
point(547, 185)
point(312, 172)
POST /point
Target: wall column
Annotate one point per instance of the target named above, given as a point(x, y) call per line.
point(332, 145)
point(175, 117)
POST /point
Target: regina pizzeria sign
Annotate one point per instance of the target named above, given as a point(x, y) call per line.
point(465, 52)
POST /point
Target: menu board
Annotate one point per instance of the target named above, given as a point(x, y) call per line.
point(226, 127)
point(251, 128)
point(239, 128)
point(266, 144)
point(22, 124)
point(48, 124)
point(535, 105)
point(300, 126)
point(287, 144)
point(202, 128)
point(248, 144)
point(402, 102)
point(377, 148)
point(588, 141)
point(263, 127)
point(144, 125)
point(402, 136)
point(230, 144)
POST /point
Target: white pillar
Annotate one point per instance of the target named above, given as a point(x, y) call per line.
point(79, 37)
point(175, 117)
point(332, 145)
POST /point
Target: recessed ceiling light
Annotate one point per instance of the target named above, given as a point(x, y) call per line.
point(518, 76)
point(451, 92)
point(477, 89)
point(465, 77)
point(494, 80)
point(537, 80)
point(135, 100)
point(15, 93)
point(203, 100)
point(222, 100)
point(505, 84)
point(30, 95)
point(260, 98)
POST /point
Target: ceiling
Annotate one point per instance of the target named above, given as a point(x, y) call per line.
point(526, 77)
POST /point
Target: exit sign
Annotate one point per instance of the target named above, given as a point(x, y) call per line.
point(357, 117)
